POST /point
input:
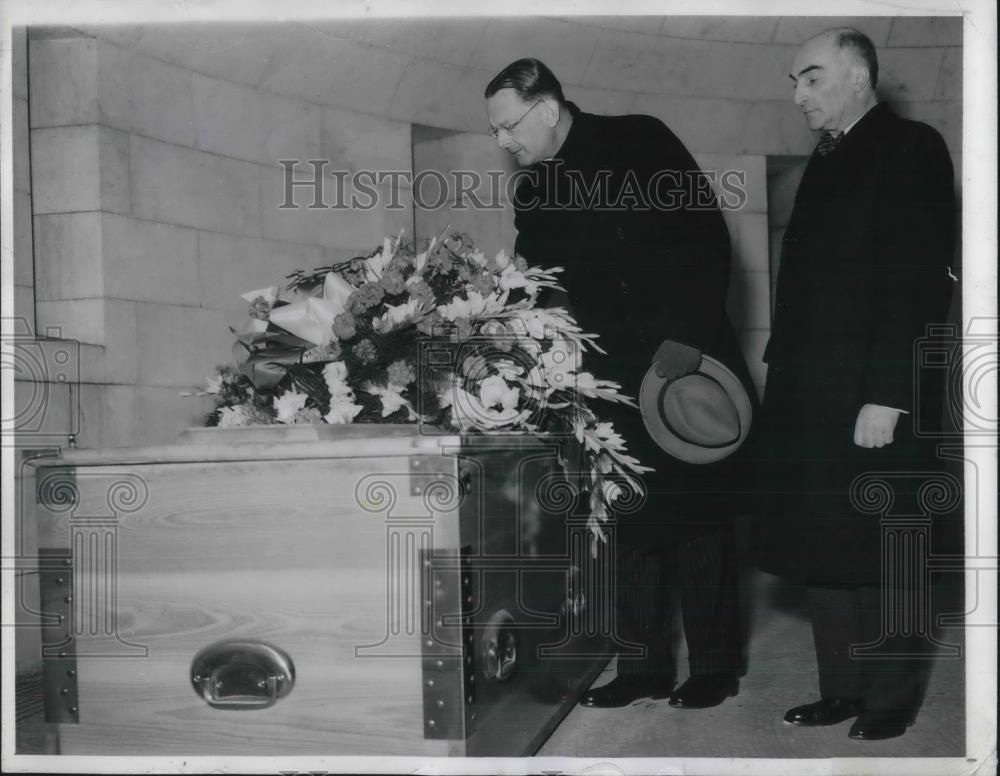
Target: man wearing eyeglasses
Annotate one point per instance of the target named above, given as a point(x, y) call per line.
point(619, 202)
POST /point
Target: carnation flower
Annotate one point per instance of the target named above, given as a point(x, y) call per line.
point(344, 326)
point(288, 404)
point(365, 352)
point(259, 308)
point(401, 373)
point(483, 283)
point(440, 261)
point(400, 263)
point(520, 263)
point(366, 297)
point(393, 282)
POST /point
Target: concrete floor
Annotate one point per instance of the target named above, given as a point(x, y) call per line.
point(781, 674)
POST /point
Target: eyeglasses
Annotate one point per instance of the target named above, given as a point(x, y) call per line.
point(510, 127)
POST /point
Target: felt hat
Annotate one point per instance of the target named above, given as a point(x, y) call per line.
point(700, 417)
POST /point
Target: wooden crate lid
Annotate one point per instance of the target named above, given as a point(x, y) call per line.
point(278, 442)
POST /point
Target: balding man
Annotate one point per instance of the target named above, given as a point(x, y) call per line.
point(864, 270)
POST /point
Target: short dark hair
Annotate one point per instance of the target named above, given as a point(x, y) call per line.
point(861, 44)
point(530, 78)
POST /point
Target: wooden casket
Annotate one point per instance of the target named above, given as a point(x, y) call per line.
point(349, 590)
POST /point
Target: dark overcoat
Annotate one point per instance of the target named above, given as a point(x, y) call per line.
point(625, 210)
point(864, 269)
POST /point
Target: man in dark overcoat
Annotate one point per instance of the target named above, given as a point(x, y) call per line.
point(619, 202)
point(864, 269)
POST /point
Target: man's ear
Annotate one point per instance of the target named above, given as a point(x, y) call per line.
point(860, 77)
point(550, 111)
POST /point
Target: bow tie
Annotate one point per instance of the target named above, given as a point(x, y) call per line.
point(828, 142)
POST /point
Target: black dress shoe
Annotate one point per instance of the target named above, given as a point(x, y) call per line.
point(877, 725)
point(622, 690)
point(703, 692)
point(828, 711)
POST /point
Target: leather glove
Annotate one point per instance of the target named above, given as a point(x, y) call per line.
point(675, 359)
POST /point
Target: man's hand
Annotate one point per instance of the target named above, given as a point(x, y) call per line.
point(674, 359)
point(875, 425)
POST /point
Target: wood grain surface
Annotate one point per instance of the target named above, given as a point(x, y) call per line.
point(292, 553)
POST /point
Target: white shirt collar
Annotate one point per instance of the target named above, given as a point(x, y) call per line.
point(851, 125)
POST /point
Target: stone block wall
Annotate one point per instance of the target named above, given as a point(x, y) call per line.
point(155, 197)
point(152, 199)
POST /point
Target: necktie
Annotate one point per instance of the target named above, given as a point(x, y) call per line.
point(828, 142)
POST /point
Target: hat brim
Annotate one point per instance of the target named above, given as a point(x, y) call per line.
point(650, 398)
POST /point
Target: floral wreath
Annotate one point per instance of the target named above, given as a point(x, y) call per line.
point(445, 337)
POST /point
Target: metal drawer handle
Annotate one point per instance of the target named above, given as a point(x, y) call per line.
point(242, 674)
point(500, 647)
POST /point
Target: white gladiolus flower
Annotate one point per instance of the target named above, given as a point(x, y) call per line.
point(612, 491)
point(392, 399)
point(468, 411)
point(375, 265)
point(213, 384)
point(232, 417)
point(420, 260)
point(397, 314)
point(475, 305)
point(494, 391)
point(288, 404)
point(539, 324)
point(513, 278)
point(335, 374)
point(341, 411)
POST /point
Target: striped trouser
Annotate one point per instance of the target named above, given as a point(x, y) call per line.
point(700, 565)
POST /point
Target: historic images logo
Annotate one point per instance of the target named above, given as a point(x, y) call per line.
point(666, 190)
point(46, 381)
